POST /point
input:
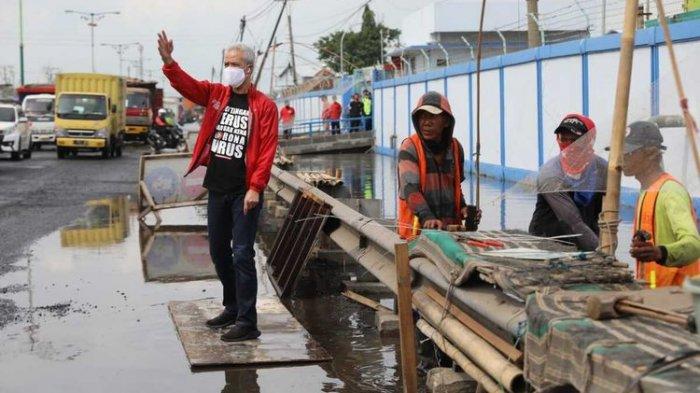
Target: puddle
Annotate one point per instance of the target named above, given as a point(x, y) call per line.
point(91, 315)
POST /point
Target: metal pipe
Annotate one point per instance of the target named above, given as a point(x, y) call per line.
point(464, 363)
point(503, 39)
point(447, 55)
point(668, 121)
point(471, 48)
point(427, 59)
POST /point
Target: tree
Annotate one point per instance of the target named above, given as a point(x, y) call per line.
point(361, 48)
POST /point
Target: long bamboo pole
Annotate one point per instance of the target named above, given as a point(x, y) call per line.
point(690, 126)
point(611, 202)
point(478, 105)
point(464, 363)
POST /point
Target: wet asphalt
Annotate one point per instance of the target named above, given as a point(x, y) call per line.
point(41, 194)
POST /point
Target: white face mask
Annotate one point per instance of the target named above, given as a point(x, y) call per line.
point(233, 76)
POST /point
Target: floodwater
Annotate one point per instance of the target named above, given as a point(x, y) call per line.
point(92, 301)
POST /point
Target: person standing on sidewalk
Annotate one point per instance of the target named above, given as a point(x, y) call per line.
point(287, 114)
point(367, 109)
point(355, 113)
point(237, 142)
point(335, 110)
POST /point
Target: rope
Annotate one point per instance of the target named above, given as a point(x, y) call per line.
point(610, 227)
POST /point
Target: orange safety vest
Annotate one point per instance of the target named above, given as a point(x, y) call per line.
point(644, 219)
point(408, 226)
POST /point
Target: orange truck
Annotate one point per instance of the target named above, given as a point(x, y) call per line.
point(143, 99)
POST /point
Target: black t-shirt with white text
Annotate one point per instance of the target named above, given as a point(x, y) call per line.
point(226, 169)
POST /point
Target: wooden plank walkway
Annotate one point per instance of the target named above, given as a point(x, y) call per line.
point(283, 341)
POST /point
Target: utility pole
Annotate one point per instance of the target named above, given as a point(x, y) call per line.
point(272, 36)
point(381, 48)
point(120, 53)
point(92, 18)
point(272, 66)
point(291, 47)
point(21, 45)
point(533, 33)
point(242, 27)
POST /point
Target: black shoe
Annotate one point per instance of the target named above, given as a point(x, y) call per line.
point(226, 318)
point(240, 333)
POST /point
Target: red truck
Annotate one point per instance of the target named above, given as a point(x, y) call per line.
point(143, 99)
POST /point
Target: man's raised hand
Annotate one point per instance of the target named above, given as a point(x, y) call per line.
point(165, 48)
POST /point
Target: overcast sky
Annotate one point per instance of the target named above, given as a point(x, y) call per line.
point(199, 28)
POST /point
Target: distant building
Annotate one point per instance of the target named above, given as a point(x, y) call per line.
point(445, 32)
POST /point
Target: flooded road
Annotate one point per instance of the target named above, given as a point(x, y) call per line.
point(88, 303)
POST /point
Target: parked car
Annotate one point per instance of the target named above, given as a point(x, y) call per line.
point(15, 132)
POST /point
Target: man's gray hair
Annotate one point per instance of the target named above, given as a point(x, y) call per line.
point(248, 53)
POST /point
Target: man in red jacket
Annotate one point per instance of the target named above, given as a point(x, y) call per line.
point(334, 112)
point(237, 142)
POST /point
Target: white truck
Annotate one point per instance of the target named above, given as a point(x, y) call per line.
point(39, 110)
point(15, 132)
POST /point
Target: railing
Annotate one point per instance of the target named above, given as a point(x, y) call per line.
point(326, 126)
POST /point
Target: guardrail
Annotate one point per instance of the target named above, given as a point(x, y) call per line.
point(326, 126)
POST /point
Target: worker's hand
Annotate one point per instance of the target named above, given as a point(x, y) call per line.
point(433, 224)
point(165, 48)
point(465, 214)
point(251, 199)
point(645, 251)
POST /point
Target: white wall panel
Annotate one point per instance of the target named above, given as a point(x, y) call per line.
point(458, 96)
point(403, 126)
point(437, 85)
point(520, 84)
point(490, 117)
point(387, 128)
point(602, 82)
point(417, 91)
point(678, 158)
point(561, 94)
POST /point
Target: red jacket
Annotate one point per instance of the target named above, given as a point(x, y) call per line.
point(262, 140)
point(334, 111)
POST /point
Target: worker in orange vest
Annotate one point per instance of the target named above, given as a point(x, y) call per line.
point(431, 166)
point(666, 243)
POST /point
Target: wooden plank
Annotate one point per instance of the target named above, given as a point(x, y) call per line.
point(283, 340)
point(512, 353)
point(364, 300)
point(406, 326)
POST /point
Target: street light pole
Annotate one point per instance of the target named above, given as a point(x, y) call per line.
point(92, 17)
point(21, 45)
point(120, 52)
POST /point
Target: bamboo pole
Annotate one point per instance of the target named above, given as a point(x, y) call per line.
point(690, 125)
point(406, 329)
point(609, 216)
point(478, 105)
point(464, 363)
point(473, 346)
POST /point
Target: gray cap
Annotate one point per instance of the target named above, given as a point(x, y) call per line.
point(642, 134)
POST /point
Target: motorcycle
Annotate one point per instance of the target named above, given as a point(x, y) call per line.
point(166, 139)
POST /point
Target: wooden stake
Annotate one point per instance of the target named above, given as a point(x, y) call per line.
point(406, 328)
point(611, 202)
point(690, 126)
point(365, 301)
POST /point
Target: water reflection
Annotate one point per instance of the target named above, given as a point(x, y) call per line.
point(104, 223)
point(238, 381)
point(175, 253)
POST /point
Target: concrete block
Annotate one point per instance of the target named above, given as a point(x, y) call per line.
point(446, 380)
point(281, 211)
point(387, 323)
